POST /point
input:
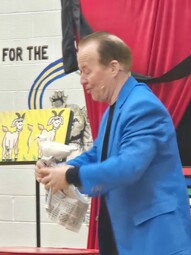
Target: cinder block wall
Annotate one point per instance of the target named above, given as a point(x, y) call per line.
point(26, 23)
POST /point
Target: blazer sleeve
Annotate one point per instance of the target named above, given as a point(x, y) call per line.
point(85, 158)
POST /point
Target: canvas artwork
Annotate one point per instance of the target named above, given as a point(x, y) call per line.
point(20, 129)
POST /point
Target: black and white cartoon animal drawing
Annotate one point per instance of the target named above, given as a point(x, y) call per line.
point(58, 99)
point(30, 128)
point(10, 140)
point(55, 121)
point(80, 131)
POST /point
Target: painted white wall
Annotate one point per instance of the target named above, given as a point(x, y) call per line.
point(30, 23)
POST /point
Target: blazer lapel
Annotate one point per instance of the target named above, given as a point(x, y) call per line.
point(123, 95)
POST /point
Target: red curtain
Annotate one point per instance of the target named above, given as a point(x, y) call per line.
point(158, 33)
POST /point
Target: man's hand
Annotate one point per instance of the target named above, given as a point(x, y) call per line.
point(51, 177)
point(39, 164)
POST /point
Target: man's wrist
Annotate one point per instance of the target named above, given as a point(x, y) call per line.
point(72, 176)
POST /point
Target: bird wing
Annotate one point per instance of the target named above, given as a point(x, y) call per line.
point(56, 150)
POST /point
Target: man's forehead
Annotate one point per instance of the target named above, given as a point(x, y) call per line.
point(87, 53)
point(90, 46)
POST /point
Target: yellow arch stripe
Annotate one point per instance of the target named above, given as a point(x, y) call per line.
point(41, 78)
point(50, 77)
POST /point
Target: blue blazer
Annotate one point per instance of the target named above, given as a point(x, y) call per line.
point(142, 178)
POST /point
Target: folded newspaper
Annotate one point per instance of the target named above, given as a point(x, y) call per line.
point(66, 207)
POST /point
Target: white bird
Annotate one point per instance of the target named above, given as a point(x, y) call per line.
point(54, 150)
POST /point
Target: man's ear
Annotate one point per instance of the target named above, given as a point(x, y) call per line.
point(115, 67)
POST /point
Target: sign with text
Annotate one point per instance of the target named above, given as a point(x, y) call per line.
point(32, 53)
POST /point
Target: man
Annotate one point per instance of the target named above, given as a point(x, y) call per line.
point(134, 163)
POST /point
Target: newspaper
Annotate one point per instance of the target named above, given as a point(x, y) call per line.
point(67, 208)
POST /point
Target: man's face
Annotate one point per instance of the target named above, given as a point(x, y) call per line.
point(95, 77)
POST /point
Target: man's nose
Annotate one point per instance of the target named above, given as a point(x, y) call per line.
point(83, 80)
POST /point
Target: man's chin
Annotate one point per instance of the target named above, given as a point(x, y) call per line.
point(94, 97)
point(97, 99)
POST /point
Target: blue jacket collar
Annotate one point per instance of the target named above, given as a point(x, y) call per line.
point(125, 91)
